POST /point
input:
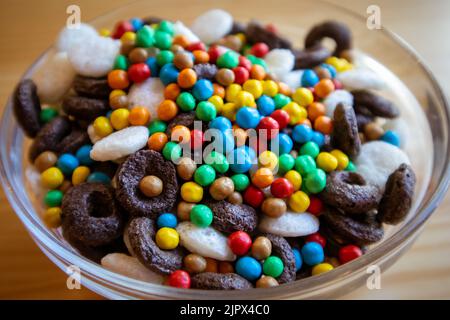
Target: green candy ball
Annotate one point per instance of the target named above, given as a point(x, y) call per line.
point(164, 57)
point(145, 37)
point(206, 111)
point(285, 163)
point(241, 181)
point(205, 175)
point(172, 151)
point(186, 101)
point(311, 149)
point(281, 100)
point(53, 198)
point(166, 26)
point(163, 40)
point(157, 126)
point(121, 62)
point(273, 266)
point(315, 181)
point(218, 161)
point(229, 59)
point(48, 115)
point(305, 164)
point(350, 167)
point(201, 215)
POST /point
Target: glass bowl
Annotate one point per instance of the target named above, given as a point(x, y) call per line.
point(376, 49)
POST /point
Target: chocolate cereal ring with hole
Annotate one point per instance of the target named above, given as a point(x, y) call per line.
point(220, 281)
point(282, 249)
point(92, 87)
point(256, 32)
point(349, 192)
point(310, 57)
point(91, 215)
point(337, 31)
point(398, 195)
point(230, 217)
point(60, 136)
point(183, 119)
point(376, 104)
point(83, 108)
point(140, 233)
point(360, 231)
point(137, 166)
point(27, 107)
point(345, 130)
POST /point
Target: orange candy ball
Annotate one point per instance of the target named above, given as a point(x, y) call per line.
point(200, 56)
point(315, 110)
point(323, 124)
point(172, 91)
point(139, 116)
point(257, 72)
point(219, 90)
point(181, 41)
point(157, 141)
point(180, 134)
point(118, 79)
point(262, 178)
point(167, 110)
point(187, 78)
point(283, 88)
point(323, 88)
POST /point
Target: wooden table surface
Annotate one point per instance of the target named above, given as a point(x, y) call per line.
point(29, 27)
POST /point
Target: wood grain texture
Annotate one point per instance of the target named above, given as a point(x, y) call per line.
point(29, 27)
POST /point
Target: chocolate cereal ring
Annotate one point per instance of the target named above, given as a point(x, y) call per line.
point(282, 249)
point(137, 166)
point(360, 231)
point(376, 104)
point(398, 195)
point(83, 108)
point(230, 217)
point(59, 135)
point(337, 31)
point(140, 234)
point(219, 281)
point(92, 87)
point(205, 70)
point(349, 192)
point(310, 57)
point(183, 119)
point(345, 130)
point(91, 215)
point(27, 107)
point(256, 32)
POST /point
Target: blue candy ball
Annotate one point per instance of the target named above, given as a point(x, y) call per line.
point(136, 23)
point(220, 123)
point(318, 138)
point(168, 74)
point(330, 69)
point(309, 78)
point(249, 268)
point(302, 133)
point(298, 259)
point(391, 137)
point(312, 253)
point(247, 117)
point(225, 142)
point(84, 155)
point(251, 152)
point(168, 220)
point(283, 142)
point(203, 89)
point(99, 177)
point(153, 65)
point(67, 163)
point(265, 105)
point(240, 160)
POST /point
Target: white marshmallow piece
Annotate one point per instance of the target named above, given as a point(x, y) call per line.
point(212, 25)
point(293, 79)
point(336, 97)
point(130, 267)
point(54, 77)
point(120, 144)
point(360, 78)
point(290, 224)
point(148, 94)
point(207, 242)
point(280, 61)
point(94, 137)
point(181, 30)
point(70, 37)
point(377, 160)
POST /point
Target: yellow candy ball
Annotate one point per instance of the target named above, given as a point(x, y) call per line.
point(119, 118)
point(52, 178)
point(80, 174)
point(321, 268)
point(242, 37)
point(52, 217)
point(253, 86)
point(167, 238)
point(104, 32)
point(232, 91)
point(270, 88)
point(102, 126)
point(296, 112)
point(217, 101)
point(128, 36)
point(294, 178)
point(339, 64)
point(326, 161)
point(299, 201)
point(245, 98)
point(268, 159)
point(116, 92)
point(303, 96)
point(342, 159)
point(191, 192)
point(229, 111)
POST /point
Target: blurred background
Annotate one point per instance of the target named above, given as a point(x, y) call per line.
point(28, 27)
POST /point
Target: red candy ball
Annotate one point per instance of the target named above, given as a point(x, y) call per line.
point(337, 84)
point(254, 196)
point(282, 117)
point(239, 242)
point(196, 139)
point(270, 125)
point(244, 62)
point(139, 72)
point(349, 253)
point(214, 53)
point(281, 188)
point(316, 237)
point(196, 46)
point(179, 279)
point(315, 205)
point(121, 28)
point(259, 49)
point(271, 27)
point(240, 75)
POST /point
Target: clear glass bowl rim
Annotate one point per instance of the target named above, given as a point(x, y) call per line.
point(52, 245)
